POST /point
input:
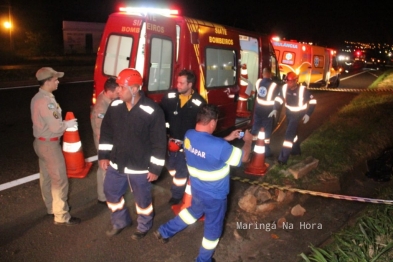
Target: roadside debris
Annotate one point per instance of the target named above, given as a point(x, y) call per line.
point(381, 168)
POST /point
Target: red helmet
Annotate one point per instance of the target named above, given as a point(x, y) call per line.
point(129, 76)
point(174, 145)
point(292, 76)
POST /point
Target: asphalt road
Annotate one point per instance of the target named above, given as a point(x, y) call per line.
point(26, 235)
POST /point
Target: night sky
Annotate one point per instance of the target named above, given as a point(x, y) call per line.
point(323, 22)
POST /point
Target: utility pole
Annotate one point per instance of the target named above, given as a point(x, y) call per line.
point(11, 25)
point(8, 25)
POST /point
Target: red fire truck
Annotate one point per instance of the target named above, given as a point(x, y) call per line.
point(160, 43)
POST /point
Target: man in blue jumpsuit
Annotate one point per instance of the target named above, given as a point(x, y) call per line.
point(267, 90)
point(299, 104)
point(208, 161)
point(180, 107)
point(132, 150)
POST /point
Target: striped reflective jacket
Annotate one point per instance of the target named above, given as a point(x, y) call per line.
point(298, 100)
point(208, 161)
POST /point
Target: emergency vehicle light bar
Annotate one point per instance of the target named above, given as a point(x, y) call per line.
point(145, 10)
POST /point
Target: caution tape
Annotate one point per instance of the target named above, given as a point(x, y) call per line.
point(314, 193)
point(352, 90)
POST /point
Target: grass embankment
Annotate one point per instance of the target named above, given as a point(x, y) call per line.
point(369, 239)
point(360, 131)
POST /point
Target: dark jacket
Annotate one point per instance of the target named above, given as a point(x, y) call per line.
point(135, 140)
point(180, 119)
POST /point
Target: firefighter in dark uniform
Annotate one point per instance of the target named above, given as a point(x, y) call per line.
point(180, 108)
point(132, 150)
point(267, 90)
point(208, 160)
point(299, 104)
point(48, 127)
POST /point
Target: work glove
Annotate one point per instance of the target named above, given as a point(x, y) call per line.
point(305, 118)
point(273, 113)
point(71, 123)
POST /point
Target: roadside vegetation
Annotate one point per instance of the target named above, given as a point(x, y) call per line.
point(369, 239)
point(358, 132)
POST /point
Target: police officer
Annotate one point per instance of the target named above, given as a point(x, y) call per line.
point(180, 108)
point(299, 104)
point(110, 92)
point(131, 149)
point(48, 127)
point(267, 90)
point(208, 160)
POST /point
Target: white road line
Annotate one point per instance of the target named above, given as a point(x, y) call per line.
point(19, 181)
point(17, 87)
point(373, 74)
point(24, 180)
point(345, 78)
point(30, 86)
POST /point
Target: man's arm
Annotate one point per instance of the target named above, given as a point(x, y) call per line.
point(151, 177)
point(157, 135)
point(105, 144)
point(97, 115)
point(103, 163)
point(312, 102)
point(231, 155)
point(233, 135)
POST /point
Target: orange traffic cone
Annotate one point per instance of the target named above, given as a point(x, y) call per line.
point(241, 110)
point(186, 201)
point(72, 151)
point(257, 165)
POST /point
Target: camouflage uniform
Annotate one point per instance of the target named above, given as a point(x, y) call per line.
point(96, 117)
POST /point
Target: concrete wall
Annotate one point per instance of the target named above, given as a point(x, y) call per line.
point(81, 37)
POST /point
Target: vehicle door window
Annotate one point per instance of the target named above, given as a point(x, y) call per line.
point(220, 67)
point(160, 64)
point(117, 54)
point(334, 63)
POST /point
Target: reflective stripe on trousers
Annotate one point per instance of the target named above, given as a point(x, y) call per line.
point(214, 211)
point(177, 162)
point(116, 185)
point(289, 144)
